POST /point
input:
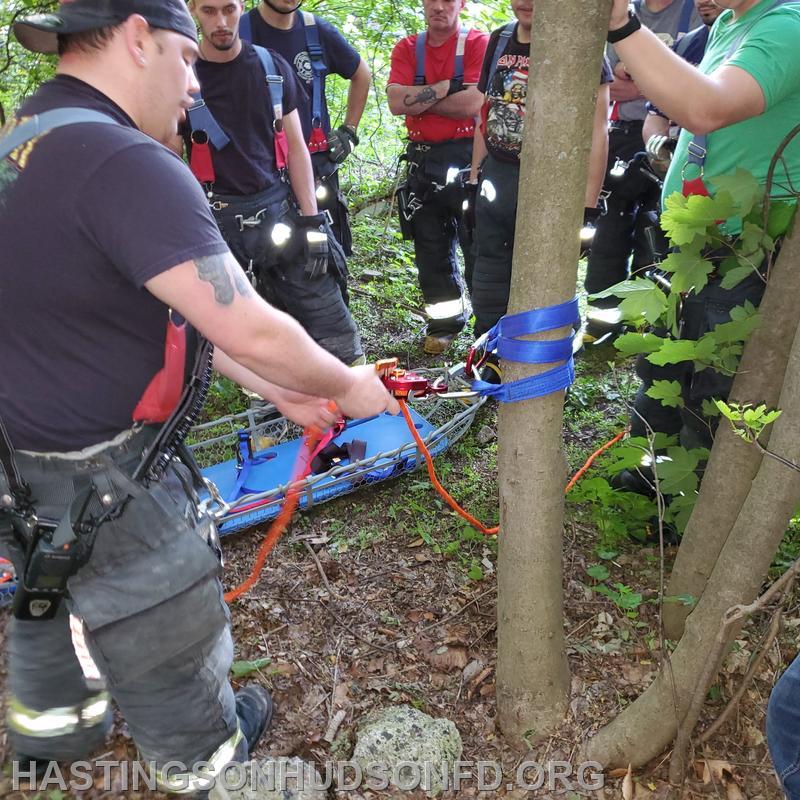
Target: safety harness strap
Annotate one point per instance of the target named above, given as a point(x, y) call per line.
point(458, 63)
point(29, 129)
point(40, 124)
point(201, 121)
point(317, 67)
point(502, 44)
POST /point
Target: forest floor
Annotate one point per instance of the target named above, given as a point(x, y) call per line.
point(385, 596)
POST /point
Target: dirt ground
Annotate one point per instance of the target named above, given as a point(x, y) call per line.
point(372, 615)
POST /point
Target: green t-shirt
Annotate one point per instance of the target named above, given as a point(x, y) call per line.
point(770, 52)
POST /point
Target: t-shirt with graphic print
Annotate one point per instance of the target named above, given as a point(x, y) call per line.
point(503, 112)
point(339, 56)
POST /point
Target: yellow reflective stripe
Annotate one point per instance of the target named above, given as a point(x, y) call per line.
point(186, 782)
point(445, 309)
point(57, 721)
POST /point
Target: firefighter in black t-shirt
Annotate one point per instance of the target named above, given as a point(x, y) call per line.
point(132, 264)
point(272, 225)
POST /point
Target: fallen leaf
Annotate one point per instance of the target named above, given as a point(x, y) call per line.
point(421, 558)
point(417, 543)
point(472, 669)
point(241, 668)
point(627, 785)
point(438, 679)
point(619, 772)
point(733, 792)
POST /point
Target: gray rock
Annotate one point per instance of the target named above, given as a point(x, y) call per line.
point(409, 746)
point(270, 779)
point(486, 435)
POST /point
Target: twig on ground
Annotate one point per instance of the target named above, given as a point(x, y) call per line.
point(333, 725)
point(321, 571)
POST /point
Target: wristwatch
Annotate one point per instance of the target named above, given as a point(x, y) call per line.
point(631, 26)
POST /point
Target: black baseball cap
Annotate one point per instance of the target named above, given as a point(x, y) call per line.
point(39, 32)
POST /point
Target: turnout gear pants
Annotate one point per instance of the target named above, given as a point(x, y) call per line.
point(437, 228)
point(148, 610)
point(318, 304)
point(495, 220)
point(331, 199)
point(701, 313)
point(621, 230)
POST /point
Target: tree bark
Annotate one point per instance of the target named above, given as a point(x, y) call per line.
point(532, 672)
point(733, 463)
point(648, 726)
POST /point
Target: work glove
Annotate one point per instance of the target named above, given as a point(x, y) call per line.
point(314, 237)
point(341, 143)
point(590, 217)
point(469, 207)
point(659, 149)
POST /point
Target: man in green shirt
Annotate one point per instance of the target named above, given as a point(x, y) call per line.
point(735, 109)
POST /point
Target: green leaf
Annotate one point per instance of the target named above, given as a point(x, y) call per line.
point(676, 473)
point(781, 213)
point(741, 188)
point(631, 343)
point(647, 301)
point(750, 238)
point(673, 351)
point(241, 668)
point(686, 218)
point(743, 322)
point(709, 408)
point(668, 392)
point(598, 571)
point(624, 289)
point(475, 572)
point(735, 276)
point(680, 599)
point(690, 271)
point(607, 555)
point(673, 310)
point(623, 457)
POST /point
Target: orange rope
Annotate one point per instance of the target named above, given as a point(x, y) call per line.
point(435, 481)
point(580, 473)
point(449, 499)
point(311, 437)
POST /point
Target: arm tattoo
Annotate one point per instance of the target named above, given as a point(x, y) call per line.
point(424, 96)
point(214, 270)
point(240, 281)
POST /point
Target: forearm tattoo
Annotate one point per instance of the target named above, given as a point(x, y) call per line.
point(424, 96)
point(216, 271)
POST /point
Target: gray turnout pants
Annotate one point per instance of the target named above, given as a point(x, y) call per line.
point(150, 608)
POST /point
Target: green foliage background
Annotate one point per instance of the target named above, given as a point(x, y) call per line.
point(371, 26)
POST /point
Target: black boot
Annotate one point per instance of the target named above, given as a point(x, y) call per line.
point(254, 707)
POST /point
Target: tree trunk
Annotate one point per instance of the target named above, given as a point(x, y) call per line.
point(532, 672)
point(733, 463)
point(648, 726)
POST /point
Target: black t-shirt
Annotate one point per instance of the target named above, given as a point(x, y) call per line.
point(339, 56)
point(237, 95)
point(88, 214)
point(503, 113)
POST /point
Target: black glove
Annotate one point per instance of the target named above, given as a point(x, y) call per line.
point(469, 208)
point(313, 233)
point(590, 217)
point(455, 86)
point(341, 143)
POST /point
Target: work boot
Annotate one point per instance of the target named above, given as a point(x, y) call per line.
point(254, 708)
point(436, 345)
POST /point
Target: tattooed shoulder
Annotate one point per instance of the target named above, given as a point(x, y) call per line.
point(225, 275)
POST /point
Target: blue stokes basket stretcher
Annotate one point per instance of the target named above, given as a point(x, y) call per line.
point(251, 456)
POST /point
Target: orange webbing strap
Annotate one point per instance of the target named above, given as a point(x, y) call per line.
point(435, 481)
point(448, 498)
point(313, 441)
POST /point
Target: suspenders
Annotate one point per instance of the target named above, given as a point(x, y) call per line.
point(698, 146)
point(458, 66)
point(499, 49)
point(207, 131)
point(317, 141)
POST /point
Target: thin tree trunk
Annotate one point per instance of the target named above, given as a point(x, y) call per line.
point(532, 672)
point(733, 463)
point(647, 727)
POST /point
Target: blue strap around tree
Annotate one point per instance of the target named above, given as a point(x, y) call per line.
point(504, 339)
